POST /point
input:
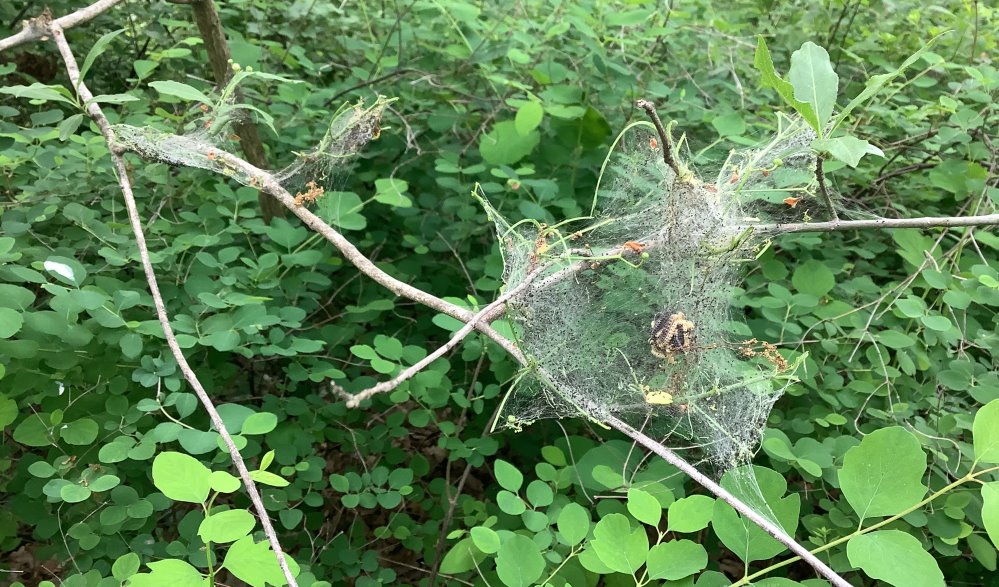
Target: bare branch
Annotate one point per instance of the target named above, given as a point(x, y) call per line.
point(706, 482)
point(38, 28)
point(354, 400)
point(270, 184)
point(650, 108)
point(95, 112)
point(887, 223)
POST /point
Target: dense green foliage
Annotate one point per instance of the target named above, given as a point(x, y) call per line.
point(109, 470)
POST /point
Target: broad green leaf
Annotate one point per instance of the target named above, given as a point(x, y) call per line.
point(813, 277)
point(268, 478)
point(256, 564)
point(342, 209)
point(8, 409)
point(80, 432)
point(876, 82)
point(573, 523)
point(34, 430)
point(227, 526)
point(179, 90)
point(882, 476)
point(847, 148)
point(181, 477)
point(259, 423)
point(168, 573)
point(393, 193)
point(10, 322)
point(644, 507)
point(98, 49)
point(990, 510)
point(690, 514)
point(485, 539)
point(769, 78)
point(539, 494)
point(896, 558)
point(676, 559)
point(508, 476)
point(510, 503)
point(503, 145)
point(619, 546)
point(37, 91)
point(462, 557)
point(744, 538)
point(985, 432)
point(528, 117)
point(125, 566)
point(814, 82)
point(73, 493)
point(519, 562)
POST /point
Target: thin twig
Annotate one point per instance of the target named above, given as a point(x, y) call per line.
point(886, 223)
point(650, 108)
point(354, 400)
point(95, 112)
point(820, 175)
point(706, 482)
point(38, 28)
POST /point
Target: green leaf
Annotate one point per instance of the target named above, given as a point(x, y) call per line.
point(573, 523)
point(882, 476)
point(179, 90)
point(814, 82)
point(540, 494)
point(181, 477)
point(876, 82)
point(37, 91)
point(990, 510)
point(72, 493)
point(510, 503)
point(503, 145)
point(519, 562)
point(125, 566)
point(227, 526)
point(528, 117)
point(342, 209)
point(744, 538)
point(619, 546)
point(462, 557)
point(676, 559)
point(813, 277)
point(268, 478)
point(894, 339)
point(644, 507)
point(8, 409)
point(769, 78)
point(690, 514)
point(896, 558)
point(256, 564)
point(508, 476)
point(260, 423)
point(80, 432)
point(392, 192)
point(10, 322)
point(100, 46)
point(985, 432)
point(168, 573)
point(485, 539)
point(847, 148)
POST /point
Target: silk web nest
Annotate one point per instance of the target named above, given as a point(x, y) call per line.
point(630, 310)
point(210, 134)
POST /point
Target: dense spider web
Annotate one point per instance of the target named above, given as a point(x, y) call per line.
point(657, 244)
